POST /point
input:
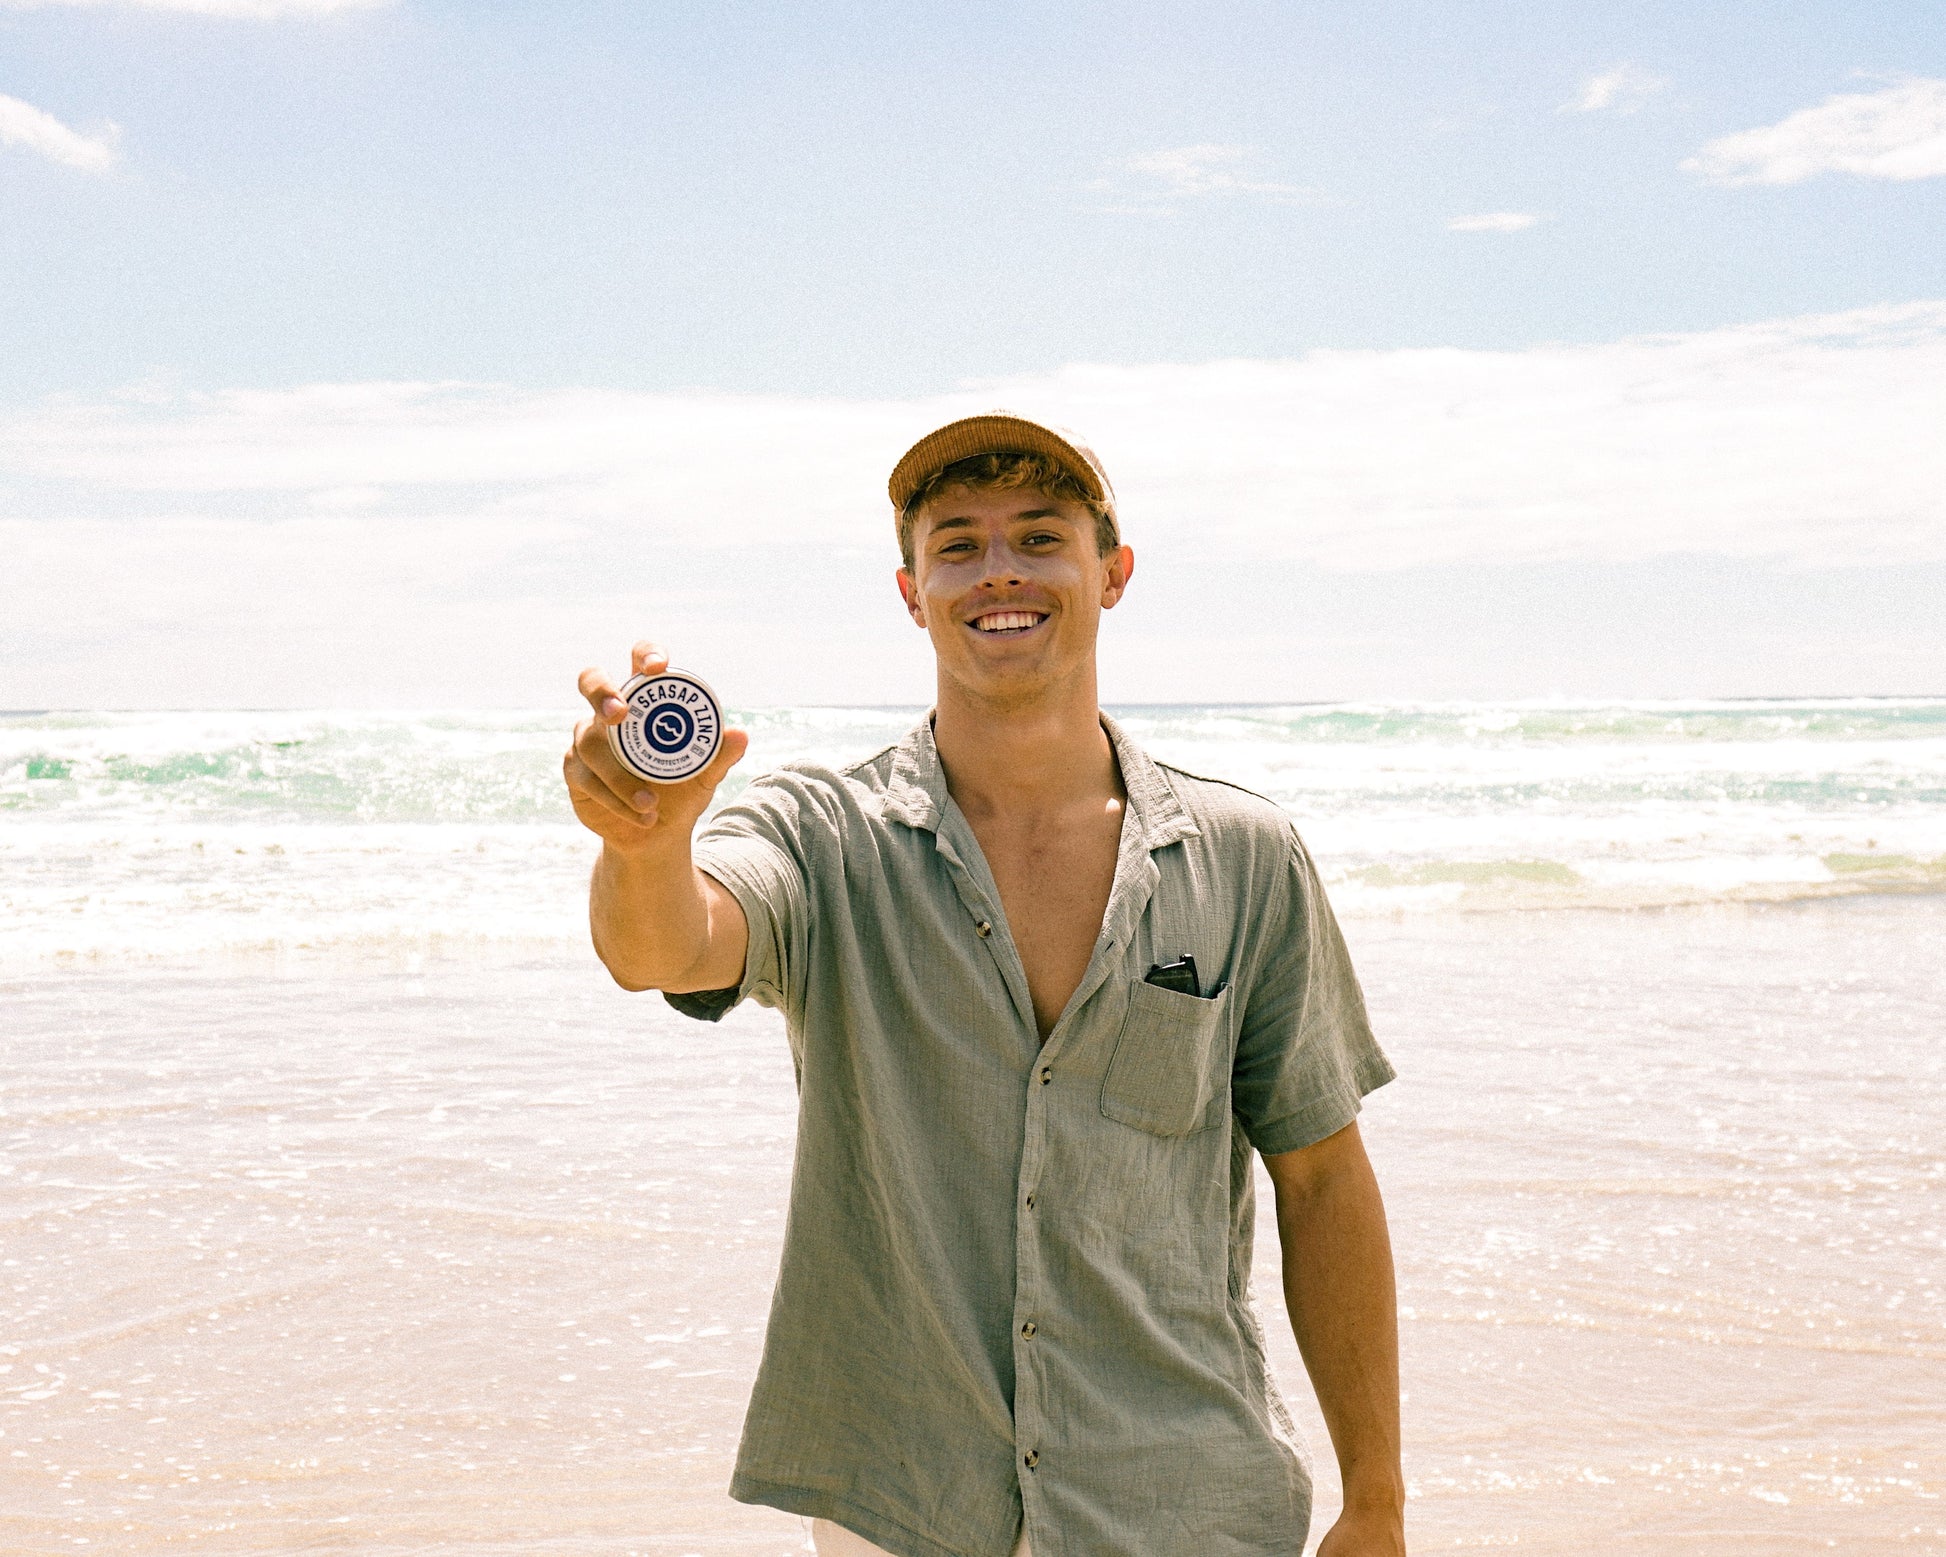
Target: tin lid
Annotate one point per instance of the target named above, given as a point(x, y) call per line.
point(672, 729)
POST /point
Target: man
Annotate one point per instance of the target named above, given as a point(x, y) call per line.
point(1044, 996)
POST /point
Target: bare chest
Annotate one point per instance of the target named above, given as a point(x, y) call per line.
point(1054, 877)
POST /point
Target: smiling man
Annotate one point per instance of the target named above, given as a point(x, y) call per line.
point(1046, 996)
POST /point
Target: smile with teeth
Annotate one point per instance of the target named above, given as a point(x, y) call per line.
point(1008, 621)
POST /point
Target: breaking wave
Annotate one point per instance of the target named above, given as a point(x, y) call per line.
point(166, 835)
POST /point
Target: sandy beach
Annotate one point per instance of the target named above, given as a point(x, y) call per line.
point(409, 1241)
point(473, 1254)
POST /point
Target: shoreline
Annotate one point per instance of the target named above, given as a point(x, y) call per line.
point(476, 1250)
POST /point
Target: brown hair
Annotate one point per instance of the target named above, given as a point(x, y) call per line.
point(1007, 473)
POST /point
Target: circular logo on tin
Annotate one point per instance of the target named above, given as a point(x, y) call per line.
point(669, 728)
point(672, 728)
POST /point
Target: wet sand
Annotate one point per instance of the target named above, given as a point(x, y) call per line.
point(471, 1253)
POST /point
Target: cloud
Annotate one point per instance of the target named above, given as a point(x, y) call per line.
point(1812, 441)
point(1165, 178)
point(24, 125)
point(247, 10)
point(1494, 221)
point(1897, 133)
point(1620, 90)
point(410, 543)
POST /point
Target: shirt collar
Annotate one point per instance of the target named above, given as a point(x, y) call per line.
point(916, 790)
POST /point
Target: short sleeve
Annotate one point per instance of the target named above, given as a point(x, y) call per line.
point(1306, 1055)
point(755, 848)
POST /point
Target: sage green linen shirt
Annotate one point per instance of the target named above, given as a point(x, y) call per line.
point(1015, 1278)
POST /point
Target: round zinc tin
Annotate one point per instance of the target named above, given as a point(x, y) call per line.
point(672, 728)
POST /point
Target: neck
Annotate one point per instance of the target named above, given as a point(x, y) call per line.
point(1029, 755)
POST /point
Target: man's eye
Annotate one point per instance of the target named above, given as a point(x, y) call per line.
point(1040, 536)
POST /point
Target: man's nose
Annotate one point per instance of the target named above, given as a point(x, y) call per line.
point(1002, 568)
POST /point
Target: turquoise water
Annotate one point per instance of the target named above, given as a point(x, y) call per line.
point(174, 833)
point(487, 767)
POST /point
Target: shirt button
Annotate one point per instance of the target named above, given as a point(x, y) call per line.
point(1047, 1074)
point(984, 928)
point(1028, 1330)
point(1031, 1458)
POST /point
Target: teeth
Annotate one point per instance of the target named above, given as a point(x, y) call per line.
point(1006, 621)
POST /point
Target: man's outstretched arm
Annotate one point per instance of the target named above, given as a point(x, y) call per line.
point(1344, 1311)
point(658, 922)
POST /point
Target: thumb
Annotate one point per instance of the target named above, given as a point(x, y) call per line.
point(728, 755)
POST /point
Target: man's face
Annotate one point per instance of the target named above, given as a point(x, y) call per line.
point(1010, 585)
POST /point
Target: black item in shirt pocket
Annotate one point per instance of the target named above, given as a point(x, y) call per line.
point(1168, 1060)
point(1179, 975)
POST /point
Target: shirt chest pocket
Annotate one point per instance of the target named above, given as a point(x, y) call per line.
point(1170, 1062)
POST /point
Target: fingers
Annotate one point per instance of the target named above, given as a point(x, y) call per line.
point(597, 760)
point(603, 696)
point(606, 796)
point(599, 806)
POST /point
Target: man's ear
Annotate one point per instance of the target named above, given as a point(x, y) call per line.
point(1119, 565)
point(915, 607)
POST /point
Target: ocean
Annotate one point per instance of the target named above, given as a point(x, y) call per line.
point(141, 836)
point(345, 1205)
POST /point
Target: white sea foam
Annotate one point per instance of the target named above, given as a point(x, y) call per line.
point(177, 835)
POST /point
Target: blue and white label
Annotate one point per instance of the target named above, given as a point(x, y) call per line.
point(672, 728)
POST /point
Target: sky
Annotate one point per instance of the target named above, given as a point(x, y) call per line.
point(382, 352)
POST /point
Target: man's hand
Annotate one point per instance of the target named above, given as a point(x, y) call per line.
point(629, 814)
point(657, 921)
point(1363, 1533)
